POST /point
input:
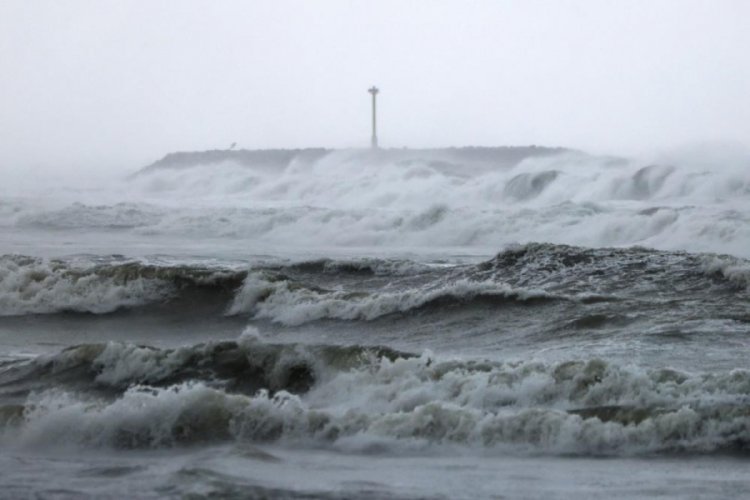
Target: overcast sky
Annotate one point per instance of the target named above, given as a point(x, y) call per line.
point(121, 83)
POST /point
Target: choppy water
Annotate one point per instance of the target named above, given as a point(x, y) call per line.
point(387, 327)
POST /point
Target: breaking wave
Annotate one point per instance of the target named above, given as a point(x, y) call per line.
point(477, 201)
point(363, 398)
point(285, 303)
point(37, 286)
point(366, 289)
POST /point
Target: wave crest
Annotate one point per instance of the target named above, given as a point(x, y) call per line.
point(37, 286)
point(589, 407)
point(289, 303)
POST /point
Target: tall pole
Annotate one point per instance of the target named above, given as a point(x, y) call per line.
point(374, 142)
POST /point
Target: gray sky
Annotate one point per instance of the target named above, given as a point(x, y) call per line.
point(120, 83)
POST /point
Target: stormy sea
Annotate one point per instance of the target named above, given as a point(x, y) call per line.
point(448, 323)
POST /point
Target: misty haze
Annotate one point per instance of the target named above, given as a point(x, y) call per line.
point(349, 249)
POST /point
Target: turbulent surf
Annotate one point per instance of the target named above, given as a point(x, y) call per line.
point(222, 322)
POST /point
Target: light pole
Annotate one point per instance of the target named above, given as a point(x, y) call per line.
point(374, 142)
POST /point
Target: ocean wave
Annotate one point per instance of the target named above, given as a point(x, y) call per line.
point(246, 365)
point(288, 303)
point(38, 286)
point(364, 266)
point(297, 292)
point(587, 407)
point(419, 200)
point(350, 178)
point(82, 216)
point(730, 268)
point(622, 272)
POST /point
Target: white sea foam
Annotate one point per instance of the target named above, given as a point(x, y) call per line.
point(120, 363)
point(290, 304)
point(36, 286)
point(348, 199)
point(735, 270)
point(588, 407)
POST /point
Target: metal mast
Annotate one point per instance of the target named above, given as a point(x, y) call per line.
point(374, 142)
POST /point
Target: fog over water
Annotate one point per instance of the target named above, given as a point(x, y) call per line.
point(94, 85)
